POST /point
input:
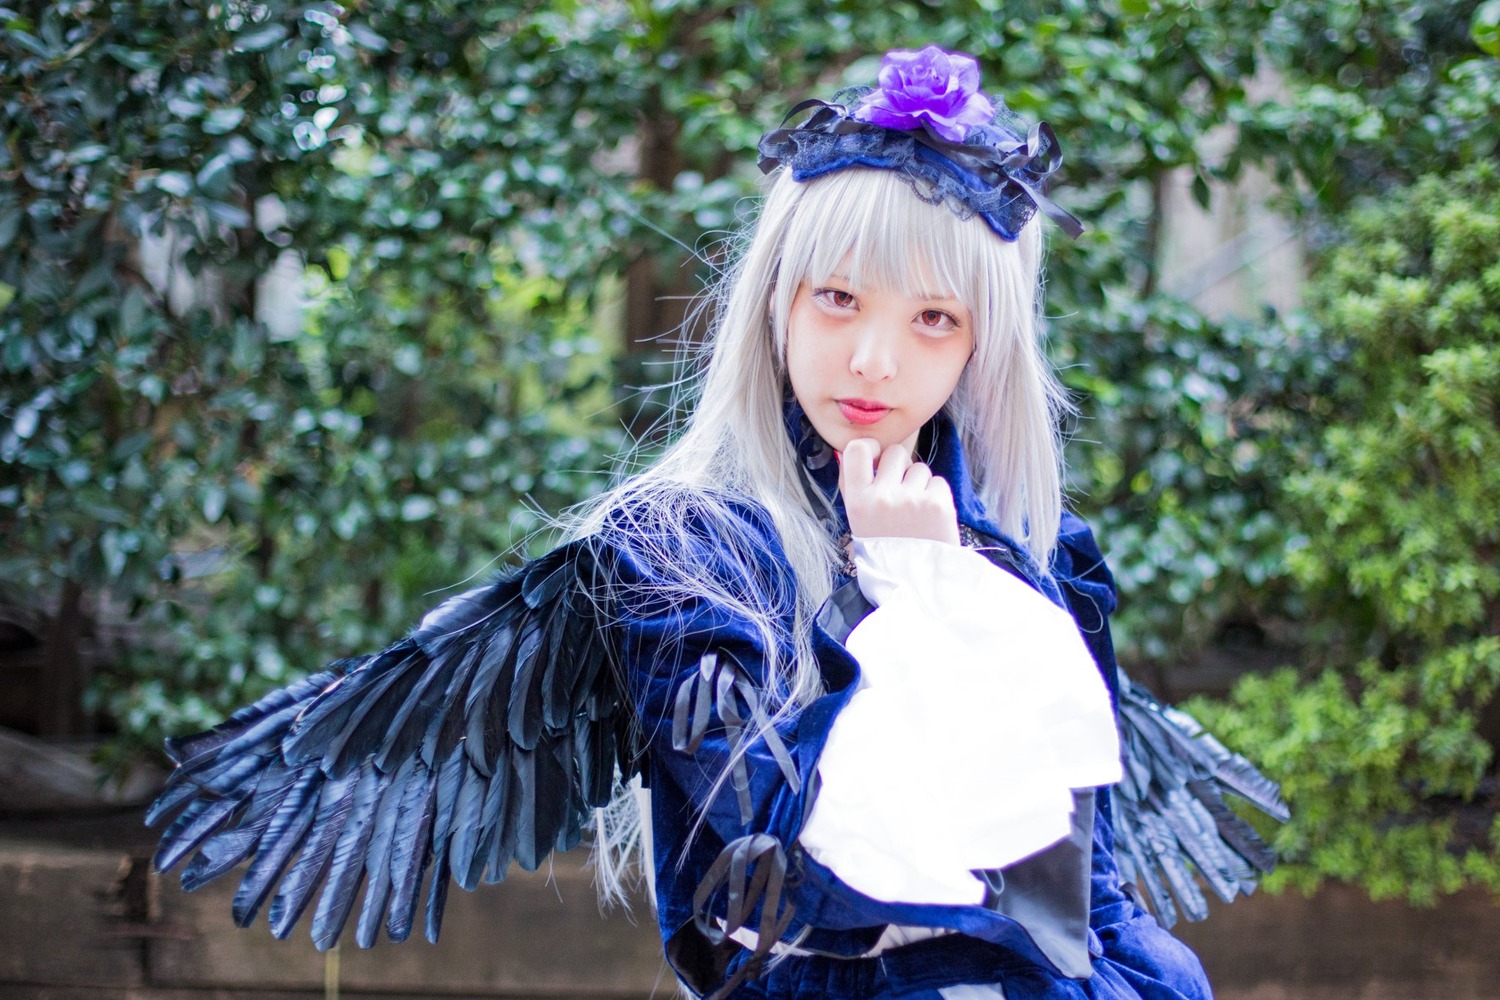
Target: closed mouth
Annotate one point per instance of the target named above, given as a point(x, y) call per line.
point(862, 411)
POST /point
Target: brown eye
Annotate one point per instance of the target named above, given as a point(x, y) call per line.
point(936, 320)
point(838, 298)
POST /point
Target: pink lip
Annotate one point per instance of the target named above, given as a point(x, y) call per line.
point(862, 411)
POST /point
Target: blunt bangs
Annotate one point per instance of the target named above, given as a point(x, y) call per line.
point(868, 226)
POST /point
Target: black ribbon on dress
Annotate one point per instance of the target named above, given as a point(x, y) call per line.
point(752, 870)
point(718, 687)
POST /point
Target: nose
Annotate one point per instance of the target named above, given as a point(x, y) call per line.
point(874, 355)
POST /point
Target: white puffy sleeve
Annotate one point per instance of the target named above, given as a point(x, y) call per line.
point(979, 710)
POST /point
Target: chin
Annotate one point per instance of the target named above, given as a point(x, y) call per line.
point(839, 436)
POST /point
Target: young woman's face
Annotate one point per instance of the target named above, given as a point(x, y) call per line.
point(865, 362)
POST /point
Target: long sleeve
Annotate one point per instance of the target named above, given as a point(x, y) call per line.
point(979, 709)
point(731, 796)
point(729, 763)
point(1140, 959)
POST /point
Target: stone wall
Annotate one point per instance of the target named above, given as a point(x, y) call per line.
point(89, 922)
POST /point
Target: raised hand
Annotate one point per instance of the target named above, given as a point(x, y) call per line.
point(886, 494)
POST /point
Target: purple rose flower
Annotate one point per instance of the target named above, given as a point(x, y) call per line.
point(929, 87)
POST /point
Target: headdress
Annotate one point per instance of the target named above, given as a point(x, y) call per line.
point(929, 123)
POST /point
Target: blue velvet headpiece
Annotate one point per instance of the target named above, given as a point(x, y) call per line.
point(929, 123)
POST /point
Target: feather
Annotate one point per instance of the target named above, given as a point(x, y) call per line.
point(409, 851)
point(411, 720)
point(378, 858)
point(371, 720)
point(1173, 811)
point(595, 761)
point(1237, 833)
point(522, 818)
point(232, 777)
point(196, 823)
point(501, 837)
point(1241, 777)
point(558, 668)
point(325, 726)
point(450, 781)
point(572, 812)
point(545, 578)
point(346, 868)
point(489, 688)
point(1144, 865)
point(459, 615)
point(481, 739)
point(524, 712)
point(1199, 842)
point(282, 838)
point(468, 825)
point(183, 749)
point(221, 852)
point(551, 800)
point(176, 793)
point(437, 898)
point(335, 801)
point(1169, 861)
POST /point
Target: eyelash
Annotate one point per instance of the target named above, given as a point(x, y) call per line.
point(948, 323)
point(827, 295)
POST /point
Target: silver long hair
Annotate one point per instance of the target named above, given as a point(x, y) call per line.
point(730, 442)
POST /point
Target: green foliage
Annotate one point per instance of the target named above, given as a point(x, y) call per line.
point(258, 502)
point(465, 190)
point(1380, 754)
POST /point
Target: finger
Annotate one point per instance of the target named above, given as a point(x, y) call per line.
point(940, 489)
point(894, 462)
point(938, 486)
point(857, 468)
point(918, 475)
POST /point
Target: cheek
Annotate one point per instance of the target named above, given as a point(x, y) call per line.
point(944, 368)
point(810, 358)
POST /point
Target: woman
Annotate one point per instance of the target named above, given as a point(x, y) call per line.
point(841, 630)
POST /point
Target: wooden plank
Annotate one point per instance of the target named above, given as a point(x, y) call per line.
point(1340, 944)
point(63, 918)
point(532, 935)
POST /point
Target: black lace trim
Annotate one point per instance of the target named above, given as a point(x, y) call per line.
point(998, 172)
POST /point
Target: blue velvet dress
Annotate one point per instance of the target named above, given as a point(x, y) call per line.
point(727, 853)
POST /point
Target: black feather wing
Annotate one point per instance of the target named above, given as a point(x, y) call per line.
point(489, 734)
point(1171, 819)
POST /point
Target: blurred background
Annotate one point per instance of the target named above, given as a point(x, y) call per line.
point(310, 312)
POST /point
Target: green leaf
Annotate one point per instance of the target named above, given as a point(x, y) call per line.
point(30, 43)
point(111, 547)
point(134, 312)
point(258, 39)
point(130, 445)
point(214, 497)
point(222, 120)
point(1201, 193)
point(1485, 27)
point(10, 224)
point(366, 38)
point(175, 183)
point(418, 508)
point(228, 213)
point(214, 176)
